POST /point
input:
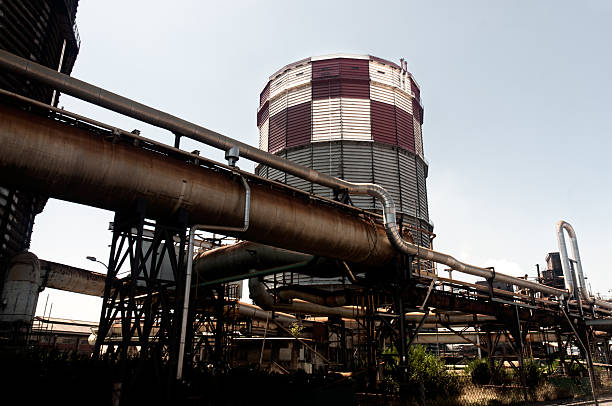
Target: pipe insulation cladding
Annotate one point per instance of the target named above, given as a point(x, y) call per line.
point(76, 165)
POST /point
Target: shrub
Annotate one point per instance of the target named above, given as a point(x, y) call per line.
point(426, 370)
point(478, 370)
point(534, 374)
point(481, 374)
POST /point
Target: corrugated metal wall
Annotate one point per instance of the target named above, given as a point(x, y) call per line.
point(382, 73)
point(326, 123)
point(398, 171)
point(355, 119)
point(383, 122)
point(418, 138)
point(263, 135)
point(299, 124)
point(277, 134)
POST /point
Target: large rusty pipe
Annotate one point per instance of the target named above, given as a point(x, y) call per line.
point(75, 165)
point(69, 278)
point(131, 108)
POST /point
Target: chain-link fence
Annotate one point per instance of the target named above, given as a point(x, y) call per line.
point(548, 390)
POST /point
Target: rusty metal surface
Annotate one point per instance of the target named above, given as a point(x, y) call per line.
point(79, 166)
point(65, 277)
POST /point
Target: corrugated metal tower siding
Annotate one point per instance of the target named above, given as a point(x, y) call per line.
point(381, 94)
point(263, 114)
point(383, 122)
point(355, 89)
point(381, 73)
point(355, 119)
point(358, 168)
point(326, 117)
point(408, 183)
point(299, 95)
point(424, 212)
point(415, 89)
point(299, 124)
point(326, 89)
point(261, 170)
point(298, 75)
point(334, 88)
point(301, 156)
point(325, 69)
point(278, 104)
point(417, 111)
point(405, 129)
point(403, 101)
point(265, 94)
point(346, 68)
point(277, 85)
point(418, 138)
point(275, 174)
point(263, 135)
point(277, 135)
point(385, 172)
point(354, 69)
point(326, 159)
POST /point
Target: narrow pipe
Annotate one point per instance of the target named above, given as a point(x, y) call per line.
point(570, 283)
point(131, 108)
point(192, 231)
point(574, 281)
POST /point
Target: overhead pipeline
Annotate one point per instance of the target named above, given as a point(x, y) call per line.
point(131, 108)
point(76, 165)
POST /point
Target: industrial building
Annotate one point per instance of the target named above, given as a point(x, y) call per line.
point(43, 31)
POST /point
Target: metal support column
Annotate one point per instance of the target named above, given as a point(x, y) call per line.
point(142, 299)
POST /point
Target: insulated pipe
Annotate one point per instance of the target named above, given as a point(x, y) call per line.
point(263, 299)
point(73, 164)
point(240, 258)
point(192, 231)
point(570, 283)
point(131, 108)
point(65, 277)
point(255, 312)
point(332, 299)
point(425, 253)
point(578, 283)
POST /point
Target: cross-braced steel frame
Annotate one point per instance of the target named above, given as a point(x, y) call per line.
point(143, 297)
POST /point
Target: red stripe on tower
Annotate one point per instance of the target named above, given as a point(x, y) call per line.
point(299, 125)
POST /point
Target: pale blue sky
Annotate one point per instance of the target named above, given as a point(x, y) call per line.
point(516, 94)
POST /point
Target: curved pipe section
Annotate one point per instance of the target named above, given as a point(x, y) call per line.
point(262, 298)
point(131, 108)
point(570, 282)
point(575, 282)
point(407, 248)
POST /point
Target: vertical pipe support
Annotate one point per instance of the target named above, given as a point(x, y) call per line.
point(189, 271)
